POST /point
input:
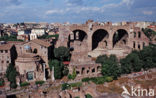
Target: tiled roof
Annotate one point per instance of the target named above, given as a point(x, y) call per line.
point(6, 46)
point(41, 42)
point(15, 42)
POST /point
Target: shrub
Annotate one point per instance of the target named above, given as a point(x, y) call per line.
point(69, 76)
point(77, 97)
point(39, 82)
point(65, 86)
point(96, 80)
point(78, 84)
point(88, 96)
point(73, 75)
point(24, 84)
point(1, 82)
point(86, 79)
point(109, 79)
point(68, 86)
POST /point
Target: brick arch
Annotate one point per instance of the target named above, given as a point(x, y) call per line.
point(73, 35)
point(95, 28)
point(103, 36)
point(123, 41)
point(79, 27)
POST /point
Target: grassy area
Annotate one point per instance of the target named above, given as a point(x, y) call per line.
point(98, 80)
point(69, 86)
point(49, 36)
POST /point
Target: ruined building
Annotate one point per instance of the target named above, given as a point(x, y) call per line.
point(93, 39)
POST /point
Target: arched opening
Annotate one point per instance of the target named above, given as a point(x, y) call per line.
point(139, 34)
point(134, 34)
point(83, 70)
point(120, 38)
point(93, 70)
point(87, 71)
point(99, 39)
point(77, 72)
point(134, 45)
point(139, 46)
point(98, 68)
point(76, 35)
point(35, 51)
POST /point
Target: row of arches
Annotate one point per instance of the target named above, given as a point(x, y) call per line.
point(138, 46)
point(88, 70)
point(100, 38)
point(137, 34)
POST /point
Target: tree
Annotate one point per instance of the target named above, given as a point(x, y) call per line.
point(88, 96)
point(101, 59)
point(110, 66)
point(58, 68)
point(147, 55)
point(11, 75)
point(73, 75)
point(149, 33)
point(61, 53)
point(132, 63)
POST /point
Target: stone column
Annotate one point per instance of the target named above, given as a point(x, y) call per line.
point(52, 75)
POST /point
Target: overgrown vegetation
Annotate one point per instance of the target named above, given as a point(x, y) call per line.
point(134, 62)
point(39, 82)
point(24, 84)
point(73, 75)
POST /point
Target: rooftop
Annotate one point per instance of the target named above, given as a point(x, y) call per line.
point(41, 42)
point(6, 46)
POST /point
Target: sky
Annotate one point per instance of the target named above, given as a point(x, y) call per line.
point(76, 11)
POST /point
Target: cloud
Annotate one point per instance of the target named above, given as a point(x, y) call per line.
point(147, 12)
point(48, 12)
point(74, 2)
point(128, 2)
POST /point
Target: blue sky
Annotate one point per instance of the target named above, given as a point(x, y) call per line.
point(76, 11)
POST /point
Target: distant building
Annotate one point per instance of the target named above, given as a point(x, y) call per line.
point(24, 31)
point(38, 31)
point(153, 27)
point(1, 33)
point(33, 36)
point(143, 24)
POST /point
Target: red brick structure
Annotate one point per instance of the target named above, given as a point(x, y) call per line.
point(94, 39)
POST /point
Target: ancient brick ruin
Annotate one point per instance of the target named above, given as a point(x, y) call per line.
point(93, 39)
